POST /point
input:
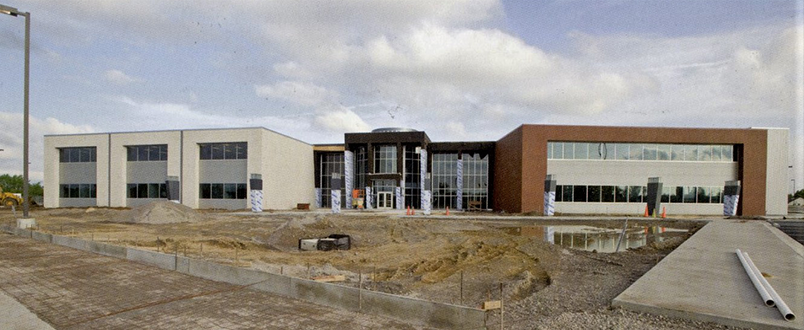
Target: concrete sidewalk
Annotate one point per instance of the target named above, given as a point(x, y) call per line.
point(14, 315)
point(71, 289)
point(704, 280)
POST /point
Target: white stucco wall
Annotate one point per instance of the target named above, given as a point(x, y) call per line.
point(52, 164)
point(614, 172)
point(777, 172)
point(289, 176)
point(119, 158)
point(191, 153)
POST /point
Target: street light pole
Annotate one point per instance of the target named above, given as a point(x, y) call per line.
point(14, 12)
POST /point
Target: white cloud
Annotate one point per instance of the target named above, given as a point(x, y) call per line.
point(11, 142)
point(297, 92)
point(119, 77)
point(340, 120)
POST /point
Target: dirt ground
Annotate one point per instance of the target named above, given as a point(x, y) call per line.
point(460, 260)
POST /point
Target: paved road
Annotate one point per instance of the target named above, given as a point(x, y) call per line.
point(71, 289)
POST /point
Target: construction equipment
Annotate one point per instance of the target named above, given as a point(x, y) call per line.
point(331, 242)
point(9, 199)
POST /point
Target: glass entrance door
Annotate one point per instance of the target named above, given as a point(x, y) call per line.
point(385, 200)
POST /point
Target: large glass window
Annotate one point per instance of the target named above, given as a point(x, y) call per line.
point(231, 150)
point(639, 151)
point(331, 163)
point(412, 180)
point(78, 155)
point(146, 190)
point(385, 159)
point(475, 180)
point(78, 190)
point(145, 153)
point(445, 180)
point(637, 194)
point(222, 191)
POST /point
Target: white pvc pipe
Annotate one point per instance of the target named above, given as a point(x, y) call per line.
point(766, 297)
point(787, 313)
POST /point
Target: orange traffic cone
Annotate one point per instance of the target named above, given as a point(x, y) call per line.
point(412, 211)
point(646, 211)
point(408, 211)
point(447, 210)
point(664, 213)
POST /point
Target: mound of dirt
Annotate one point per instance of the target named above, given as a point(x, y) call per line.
point(161, 213)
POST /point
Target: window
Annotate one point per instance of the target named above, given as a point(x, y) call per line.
point(475, 179)
point(77, 155)
point(77, 191)
point(608, 194)
point(445, 180)
point(639, 151)
point(621, 194)
point(147, 153)
point(385, 159)
point(637, 194)
point(222, 191)
point(329, 163)
point(566, 193)
point(218, 151)
point(581, 151)
point(689, 194)
point(594, 194)
point(146, 190)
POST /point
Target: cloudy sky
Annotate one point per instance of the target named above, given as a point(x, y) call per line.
point(460, 70)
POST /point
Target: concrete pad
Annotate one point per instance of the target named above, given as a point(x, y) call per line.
point(704, 280)
point(14, 315)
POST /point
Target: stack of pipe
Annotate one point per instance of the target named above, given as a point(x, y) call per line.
point(766, 291)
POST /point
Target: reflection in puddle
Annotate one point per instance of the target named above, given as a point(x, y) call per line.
point(602, 240)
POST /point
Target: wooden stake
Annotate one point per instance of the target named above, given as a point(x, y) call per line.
point(461, 287)
point(360, 290)
point(202, 249)
point(502, 305)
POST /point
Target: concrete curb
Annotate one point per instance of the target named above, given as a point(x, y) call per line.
point(411, 310)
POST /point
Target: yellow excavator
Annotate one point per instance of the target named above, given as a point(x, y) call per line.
point(8, 199)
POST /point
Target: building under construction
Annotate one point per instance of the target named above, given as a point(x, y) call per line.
point(595, 169)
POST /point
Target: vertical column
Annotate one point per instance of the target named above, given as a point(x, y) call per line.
point(731, 197)
point(368, 198)
point(549, 195)
point(459, 183)
point(348, 175)
point(256, 192)
point(400, 198)
point(427, 198)
point(424, 183)
point(335, 196)
point(654, 195)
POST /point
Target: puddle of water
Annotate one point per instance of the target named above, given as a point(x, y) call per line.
point(603, 240)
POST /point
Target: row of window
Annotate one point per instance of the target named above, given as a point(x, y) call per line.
point(147, 190)
point(234, 150)
point(158, 152)
point(77, 155)
point(83, 190)
point(223, 191)
point(146, 153)
point(637, 194)
point(640, 151)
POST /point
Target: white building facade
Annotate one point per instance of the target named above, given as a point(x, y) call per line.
point(212, 167)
